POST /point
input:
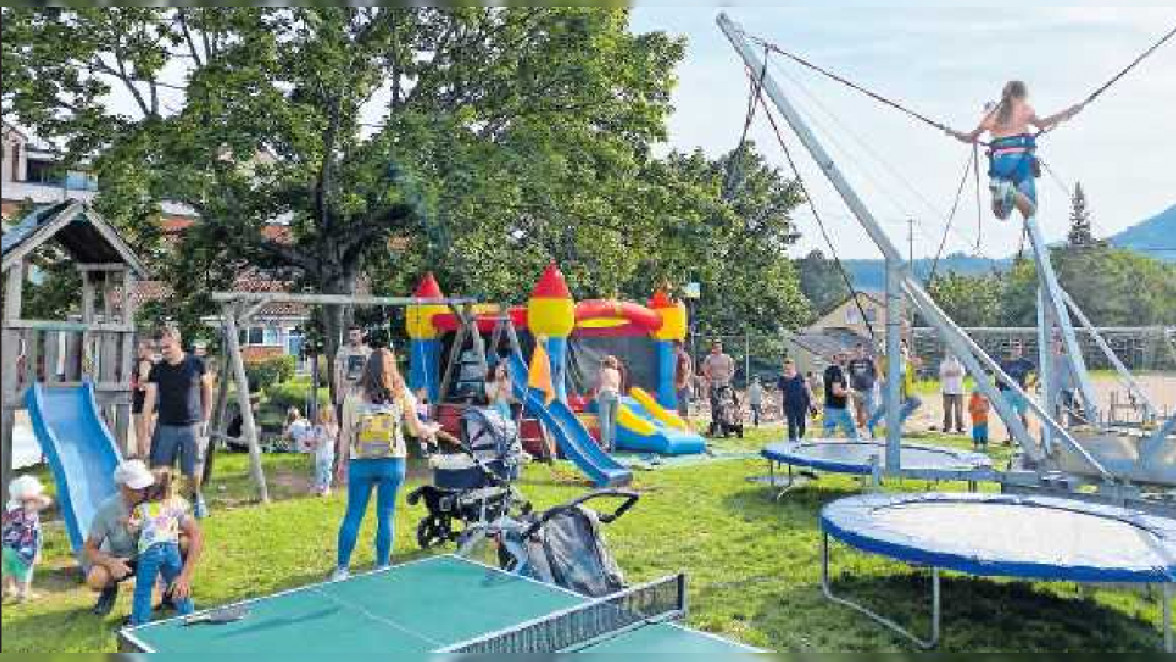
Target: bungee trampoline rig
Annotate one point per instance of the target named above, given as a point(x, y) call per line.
point(1097, 531)
point(1094, 461)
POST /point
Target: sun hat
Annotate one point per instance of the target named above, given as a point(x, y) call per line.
point(24, 487)
point(134, 474)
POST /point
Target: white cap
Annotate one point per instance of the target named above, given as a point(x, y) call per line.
point(24, 487)
point(134, 474)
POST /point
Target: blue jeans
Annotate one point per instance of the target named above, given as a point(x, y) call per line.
point(684, 402)
point(607, 405)
point(160, 560)
point(904, 412)
point(1016, 401)
point(839, 417)
point(386, 474)
point(322, 472)
point(797, 420)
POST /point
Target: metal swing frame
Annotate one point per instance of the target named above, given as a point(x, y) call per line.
point(1055, 310)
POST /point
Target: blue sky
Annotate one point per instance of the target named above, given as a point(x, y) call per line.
point(945, 62)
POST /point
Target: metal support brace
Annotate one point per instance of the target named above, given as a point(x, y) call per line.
point(1149, 407)
point(1045, 369)
point(1149, 451)
point(955, 337)
point(936, 603)
point(1057, 305)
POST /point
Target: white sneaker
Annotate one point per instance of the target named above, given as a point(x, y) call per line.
point(340, 575)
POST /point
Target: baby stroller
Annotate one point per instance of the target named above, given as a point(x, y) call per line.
point(563, 546)
point(475, 485)
point(727, 417)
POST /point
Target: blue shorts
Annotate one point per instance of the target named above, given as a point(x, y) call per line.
point(1011, 173)
point(1016, 401)
point(979, 433)
point(175, 442)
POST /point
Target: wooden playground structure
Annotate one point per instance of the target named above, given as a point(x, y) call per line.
point(97, 345)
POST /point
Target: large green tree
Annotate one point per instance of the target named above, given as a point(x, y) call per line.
point(970, 300)
point(822, 282)
point(505, 138)
point(732, 238)
point(1114, 287)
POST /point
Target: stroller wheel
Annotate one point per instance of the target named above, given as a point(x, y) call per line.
point(432, 532)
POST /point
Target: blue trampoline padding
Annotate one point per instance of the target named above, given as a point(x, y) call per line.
point(1009, 535)
point(853, 457)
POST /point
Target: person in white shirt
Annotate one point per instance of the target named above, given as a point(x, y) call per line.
point(755, 400)
point(951, 381)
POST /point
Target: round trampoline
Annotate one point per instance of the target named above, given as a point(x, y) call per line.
point(867, 458)
point(1006, 535)
point(860, 457)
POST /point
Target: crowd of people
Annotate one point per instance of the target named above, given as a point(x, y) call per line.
point(848, 396)
point(149, 529)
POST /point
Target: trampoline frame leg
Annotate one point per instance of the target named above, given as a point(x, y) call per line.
point(936, 603)
point(1169, 638)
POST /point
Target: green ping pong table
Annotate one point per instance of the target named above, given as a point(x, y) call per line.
point(420, 607)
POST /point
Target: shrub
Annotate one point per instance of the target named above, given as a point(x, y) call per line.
point(269, 371)
point(293, 393)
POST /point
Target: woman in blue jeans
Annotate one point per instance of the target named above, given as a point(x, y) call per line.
point(372, 441)
point(608, 401)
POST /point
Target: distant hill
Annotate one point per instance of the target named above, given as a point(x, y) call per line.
point(1155, 237)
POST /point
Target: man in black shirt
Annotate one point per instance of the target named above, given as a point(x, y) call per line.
point(179, 389)
point(837, 399)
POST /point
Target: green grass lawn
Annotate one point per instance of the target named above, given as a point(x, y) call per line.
point(753, 564)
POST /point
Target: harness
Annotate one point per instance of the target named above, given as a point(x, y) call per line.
point(1014, 158)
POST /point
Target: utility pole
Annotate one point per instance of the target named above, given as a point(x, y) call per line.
point(911, 241)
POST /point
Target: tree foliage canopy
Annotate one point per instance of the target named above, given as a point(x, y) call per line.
point(478, 143)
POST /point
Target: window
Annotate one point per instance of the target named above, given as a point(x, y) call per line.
point(294, 343)
point(852, 316)
point(272, 336)
point(44, 172)
point(256, 335)
point(871, 314)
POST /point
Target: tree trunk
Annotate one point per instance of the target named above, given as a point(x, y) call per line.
point(336, 318)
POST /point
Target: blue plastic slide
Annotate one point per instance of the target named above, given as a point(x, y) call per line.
point(573, 438)
point(80, 449)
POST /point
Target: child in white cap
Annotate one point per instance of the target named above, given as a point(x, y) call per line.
point(22, 536)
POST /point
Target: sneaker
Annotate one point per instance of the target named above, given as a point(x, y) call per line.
point(382, 568)
point(199, 507)
point(340, 574)
point(106, 600)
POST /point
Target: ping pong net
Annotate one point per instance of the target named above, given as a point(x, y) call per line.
point(583, 625)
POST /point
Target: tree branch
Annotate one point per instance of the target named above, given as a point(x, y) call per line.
point(287, 254)
point(182, 15)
